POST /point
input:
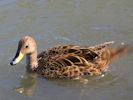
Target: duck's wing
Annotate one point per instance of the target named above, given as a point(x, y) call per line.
point(83, 56)
point(68, 55)
point(92, 60)
point(72, 61)
point(66, 61)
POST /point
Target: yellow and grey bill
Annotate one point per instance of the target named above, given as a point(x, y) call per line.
point(17, 58)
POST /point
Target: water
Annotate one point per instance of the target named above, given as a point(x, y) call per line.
point(53, 22)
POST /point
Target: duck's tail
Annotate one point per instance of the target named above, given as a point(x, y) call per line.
point(120, 51)
point(113, 52)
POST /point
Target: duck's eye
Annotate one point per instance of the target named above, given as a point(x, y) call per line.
point(26, 46)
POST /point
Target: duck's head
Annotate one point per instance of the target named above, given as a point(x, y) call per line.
point(26, 46)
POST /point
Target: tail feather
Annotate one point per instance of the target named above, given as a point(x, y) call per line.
point(101, 46)
point(120, 51)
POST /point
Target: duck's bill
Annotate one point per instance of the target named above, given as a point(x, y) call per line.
point(17, 58)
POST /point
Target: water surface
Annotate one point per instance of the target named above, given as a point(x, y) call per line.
point(53, 22)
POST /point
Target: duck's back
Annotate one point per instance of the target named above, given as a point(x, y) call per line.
point(70, 61)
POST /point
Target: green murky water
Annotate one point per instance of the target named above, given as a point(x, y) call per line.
point(53, 22)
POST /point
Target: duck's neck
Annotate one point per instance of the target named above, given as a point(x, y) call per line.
point(32, 62)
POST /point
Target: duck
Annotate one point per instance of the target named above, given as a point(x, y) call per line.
point(67, 61)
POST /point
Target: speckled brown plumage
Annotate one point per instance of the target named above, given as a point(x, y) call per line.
point(70, 61)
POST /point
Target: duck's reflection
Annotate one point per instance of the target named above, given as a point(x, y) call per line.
point(27, 84)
